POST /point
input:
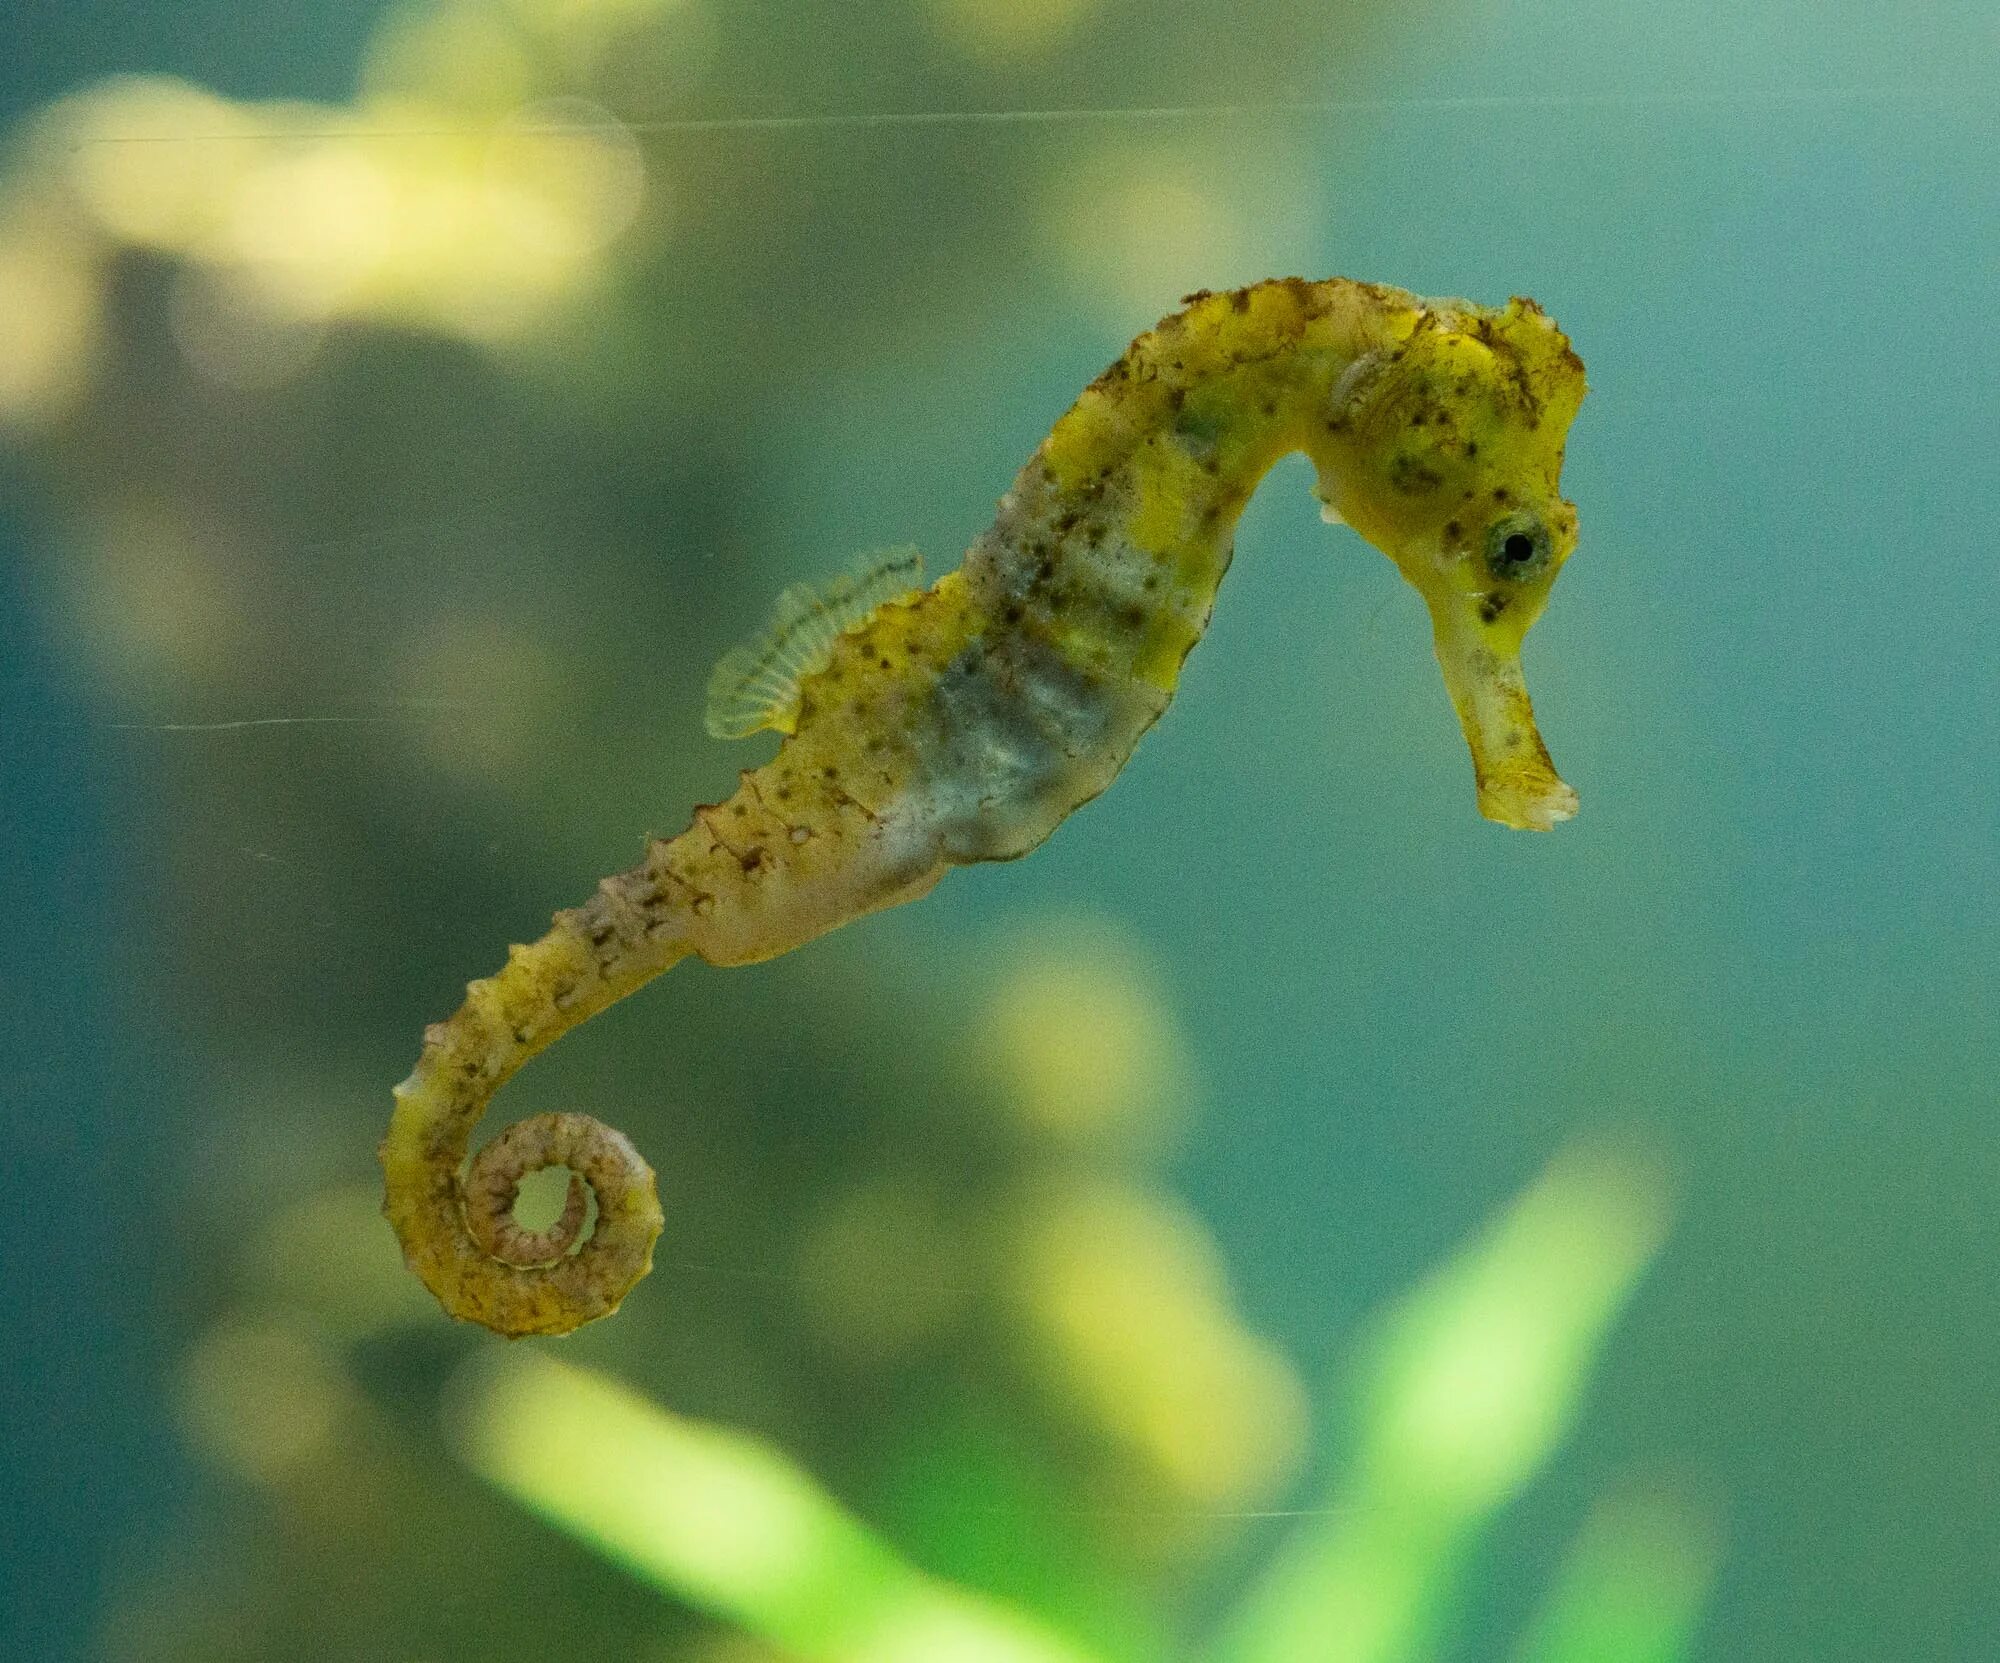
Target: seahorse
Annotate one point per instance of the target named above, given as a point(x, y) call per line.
point(926, 728)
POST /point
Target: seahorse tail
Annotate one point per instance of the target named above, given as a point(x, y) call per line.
point(788, 857)
point(458, 1233)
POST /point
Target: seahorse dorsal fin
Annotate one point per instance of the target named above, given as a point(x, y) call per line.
point(756, 685)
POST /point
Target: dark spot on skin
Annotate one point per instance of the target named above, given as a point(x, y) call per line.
point(739, 810)
point(1240, 300)
point(1419, 419)
point(1491, 606)
point(1132, 617)
point(1453, 530)
point(1152, 582)
point(883, 663)
point(1198, 428)
point(1413, 477)
point(751, 859)
point(829, 773)
point(1502, 495)
point(1012, 615)
point(1471, 447)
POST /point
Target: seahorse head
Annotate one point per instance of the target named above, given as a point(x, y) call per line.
point(1445, 451)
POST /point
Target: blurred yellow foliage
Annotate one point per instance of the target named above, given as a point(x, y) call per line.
point(265, 1397)
point(49, 315)
point(1079, 1037)
point(1004, 31)
point(1129, 1320)
point(407, 208)
point(1135, 222)
point(882, 1269)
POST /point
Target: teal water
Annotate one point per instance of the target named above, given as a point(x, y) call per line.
point(480, 519)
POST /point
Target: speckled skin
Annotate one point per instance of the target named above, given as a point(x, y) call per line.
point(963, 724)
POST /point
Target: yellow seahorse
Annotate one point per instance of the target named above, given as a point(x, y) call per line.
point(933, 728)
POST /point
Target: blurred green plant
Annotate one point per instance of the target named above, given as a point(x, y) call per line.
point(1463, 1394)
point(724, 1522)
point(1635, 1584)
point(1465, 1391)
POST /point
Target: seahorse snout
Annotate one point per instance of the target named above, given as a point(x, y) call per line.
point(1518, 784)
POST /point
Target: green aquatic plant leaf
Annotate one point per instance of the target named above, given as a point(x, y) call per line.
point(1464, 1391)
point(1633, 1585)
point(724, 1522)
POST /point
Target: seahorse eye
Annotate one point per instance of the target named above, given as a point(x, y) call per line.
point(1517, 548)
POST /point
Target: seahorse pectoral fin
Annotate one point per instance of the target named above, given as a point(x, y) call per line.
point(756, 685)
point(1518, 784)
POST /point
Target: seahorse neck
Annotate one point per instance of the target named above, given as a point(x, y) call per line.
point(1119, 529)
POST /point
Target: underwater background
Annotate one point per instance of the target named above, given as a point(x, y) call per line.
point(1287, 1218)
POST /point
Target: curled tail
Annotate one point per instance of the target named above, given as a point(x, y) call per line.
point(458, 1233)
point(775, 865)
